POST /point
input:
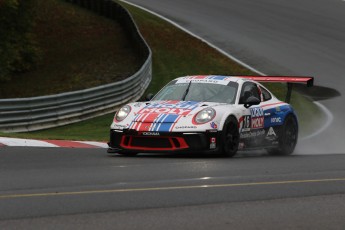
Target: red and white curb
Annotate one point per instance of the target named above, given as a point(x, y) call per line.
point(18, 142)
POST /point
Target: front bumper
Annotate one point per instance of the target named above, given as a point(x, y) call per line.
point(126, 141)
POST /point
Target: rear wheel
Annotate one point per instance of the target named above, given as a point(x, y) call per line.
point(231, 137)
point(287, 137)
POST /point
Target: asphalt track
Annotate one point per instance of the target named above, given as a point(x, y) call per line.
point(58, 188)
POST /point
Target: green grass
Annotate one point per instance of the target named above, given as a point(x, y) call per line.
point(175, 53)
point(79, 50)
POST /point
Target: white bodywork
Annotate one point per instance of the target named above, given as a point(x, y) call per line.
point(178, 116)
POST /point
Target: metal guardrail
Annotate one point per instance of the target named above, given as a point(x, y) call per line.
point(35, 113)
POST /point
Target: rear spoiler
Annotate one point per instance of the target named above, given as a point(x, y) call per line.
point(290, 80)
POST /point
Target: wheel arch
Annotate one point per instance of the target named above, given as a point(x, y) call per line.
point(281, 114)
point(292, 113)
point(287, 139)
point(225, 117)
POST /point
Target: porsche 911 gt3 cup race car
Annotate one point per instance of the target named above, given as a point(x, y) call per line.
point(213, 114)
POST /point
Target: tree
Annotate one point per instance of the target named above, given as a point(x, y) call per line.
point(18, 49)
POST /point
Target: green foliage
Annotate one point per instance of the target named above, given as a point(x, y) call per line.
point(18, 49)
point(174, 54)
point(78, 50)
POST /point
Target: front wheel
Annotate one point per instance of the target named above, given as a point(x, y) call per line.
point(288, 137)
point(230, 137)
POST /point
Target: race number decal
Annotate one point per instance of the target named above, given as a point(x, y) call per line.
point(246, 123)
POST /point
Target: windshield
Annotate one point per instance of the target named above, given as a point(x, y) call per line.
point(198, 92)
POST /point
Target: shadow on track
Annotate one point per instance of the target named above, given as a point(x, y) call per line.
point(317, 93)
point(239, 155)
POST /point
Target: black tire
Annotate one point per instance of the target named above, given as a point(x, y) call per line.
point(288, 137)
point(131, 154)
point(230, 137)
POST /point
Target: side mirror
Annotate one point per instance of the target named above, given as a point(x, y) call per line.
point(149, 97)
point(251, 101)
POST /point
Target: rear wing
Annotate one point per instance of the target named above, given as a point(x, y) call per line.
point(290, 80)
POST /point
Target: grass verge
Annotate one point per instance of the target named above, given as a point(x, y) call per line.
point(175, 53)
point(80, 49)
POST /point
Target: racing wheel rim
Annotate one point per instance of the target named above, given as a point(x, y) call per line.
point(232, 138)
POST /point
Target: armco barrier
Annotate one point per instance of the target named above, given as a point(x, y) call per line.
point(35, 113)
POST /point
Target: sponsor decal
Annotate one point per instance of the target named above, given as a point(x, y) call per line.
point(174, 105)
point(257, 118)
point(170, 107)
point(154, 122)
point(178, 111)
point(257, 112)
point(217, 77)
point(271, 132)
point(161, 116)
point(252, 134)
point(213, 125)
point(276, 120)
point(150, 134)
point(222, 80)
point(186, 127)
point(116, 126)
point(195, 77)
point(257, 123)
point(271, 135)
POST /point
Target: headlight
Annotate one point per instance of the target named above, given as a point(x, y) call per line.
point(122, 113)
point(204, 116)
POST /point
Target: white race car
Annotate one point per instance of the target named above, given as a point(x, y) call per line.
point(213, 114)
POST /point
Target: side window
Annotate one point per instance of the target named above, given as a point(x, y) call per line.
point(265, 94)
point(249, 89)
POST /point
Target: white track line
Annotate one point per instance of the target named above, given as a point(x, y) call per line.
point(328, 113)
point(327, 124)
